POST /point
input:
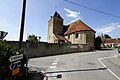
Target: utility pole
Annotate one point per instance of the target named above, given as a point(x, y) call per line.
point(22, 24)
point(22, 28)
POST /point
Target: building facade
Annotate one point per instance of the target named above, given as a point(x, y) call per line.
point(75, 33)
point(110, 42)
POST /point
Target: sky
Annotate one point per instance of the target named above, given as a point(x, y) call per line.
point(38, 13)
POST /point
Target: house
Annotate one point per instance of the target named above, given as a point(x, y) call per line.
point(75, 33)
point(110, 42)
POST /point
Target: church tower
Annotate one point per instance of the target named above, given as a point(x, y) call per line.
point(55, 27)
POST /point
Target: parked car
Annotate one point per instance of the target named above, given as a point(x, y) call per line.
point(118, 48)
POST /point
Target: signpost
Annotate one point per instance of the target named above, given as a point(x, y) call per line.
point(15, 57)
point(15, 63)
point(15, 71)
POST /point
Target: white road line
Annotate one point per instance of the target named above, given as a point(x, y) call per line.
point(108, 69)
point(55, 74)
point(54, 63)
point(109, 57)
point(52, 67)
point(102, 62)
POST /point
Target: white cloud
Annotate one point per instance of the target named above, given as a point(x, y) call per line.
point(108, 28)
point(72, 14)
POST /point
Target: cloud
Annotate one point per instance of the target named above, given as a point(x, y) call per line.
point(72, 14)
point(108, 28)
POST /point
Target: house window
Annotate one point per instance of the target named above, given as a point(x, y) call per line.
point(76, 35)
point(68, 36)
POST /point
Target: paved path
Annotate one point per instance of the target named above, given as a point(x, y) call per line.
point(84, 66)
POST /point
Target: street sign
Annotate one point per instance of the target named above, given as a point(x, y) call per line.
point(15, 71)
point(14, 65)
point(15, 57)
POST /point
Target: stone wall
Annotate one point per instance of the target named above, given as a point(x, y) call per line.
point(90, 39)
point(47, 49)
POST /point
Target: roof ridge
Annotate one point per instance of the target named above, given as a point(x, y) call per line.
point(76, 26)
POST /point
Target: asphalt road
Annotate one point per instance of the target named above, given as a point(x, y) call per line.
point(97, 65)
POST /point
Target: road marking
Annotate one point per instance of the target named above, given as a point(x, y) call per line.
point(56, 60)
point(108, 68)
point(55, 74)
point(109, 57)
point(54, 63)
point(52, 66)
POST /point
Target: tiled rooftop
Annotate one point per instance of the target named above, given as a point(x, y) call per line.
point(77, 26)
point(109, 40)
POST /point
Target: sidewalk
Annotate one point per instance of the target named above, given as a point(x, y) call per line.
point(33, 75)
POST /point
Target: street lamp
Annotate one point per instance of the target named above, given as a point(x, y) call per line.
point(39, 38)
point(3, 34)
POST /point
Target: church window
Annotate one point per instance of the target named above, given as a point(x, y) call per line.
point(68, 36)
point(76, 35)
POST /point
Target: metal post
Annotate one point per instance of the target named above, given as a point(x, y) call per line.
point(22, 24)
point(27, 48)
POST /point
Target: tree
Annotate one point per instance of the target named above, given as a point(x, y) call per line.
point(32, 38)
point(98, 42)
point(104, 36)
point(6, 51)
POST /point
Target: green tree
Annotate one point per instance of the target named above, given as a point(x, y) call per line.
point(104, 36)
point(32, 38)
point(5, 52)
point(98, 42)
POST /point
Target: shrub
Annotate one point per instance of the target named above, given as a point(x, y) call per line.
point(5, 52)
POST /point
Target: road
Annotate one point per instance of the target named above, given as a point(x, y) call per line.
point(80, 66)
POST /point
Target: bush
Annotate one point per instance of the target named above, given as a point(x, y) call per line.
point(5, 52)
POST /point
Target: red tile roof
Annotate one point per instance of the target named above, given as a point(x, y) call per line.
point(77, 26)
point(61, 38)
point(109, 40)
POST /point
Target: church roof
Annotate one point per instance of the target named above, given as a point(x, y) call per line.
point(56, 14)
point(76, 26)
point(61, 38)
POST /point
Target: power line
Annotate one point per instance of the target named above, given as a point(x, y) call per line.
point(92, 9)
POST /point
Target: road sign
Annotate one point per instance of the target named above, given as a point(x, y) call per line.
point(15, 71)
point(14, 65)
point(15, 57)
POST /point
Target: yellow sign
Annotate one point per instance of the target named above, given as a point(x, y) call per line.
point(15, 71)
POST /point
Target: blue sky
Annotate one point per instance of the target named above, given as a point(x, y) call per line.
point(38, 13)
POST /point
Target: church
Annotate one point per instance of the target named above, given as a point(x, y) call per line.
point(76, 32)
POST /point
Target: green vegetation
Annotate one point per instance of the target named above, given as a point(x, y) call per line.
point(5, 52)
point(98, 43)
point(104, 36)
point(32, 38)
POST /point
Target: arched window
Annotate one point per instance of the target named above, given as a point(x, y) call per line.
point(76, 35)
point(68, 36)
